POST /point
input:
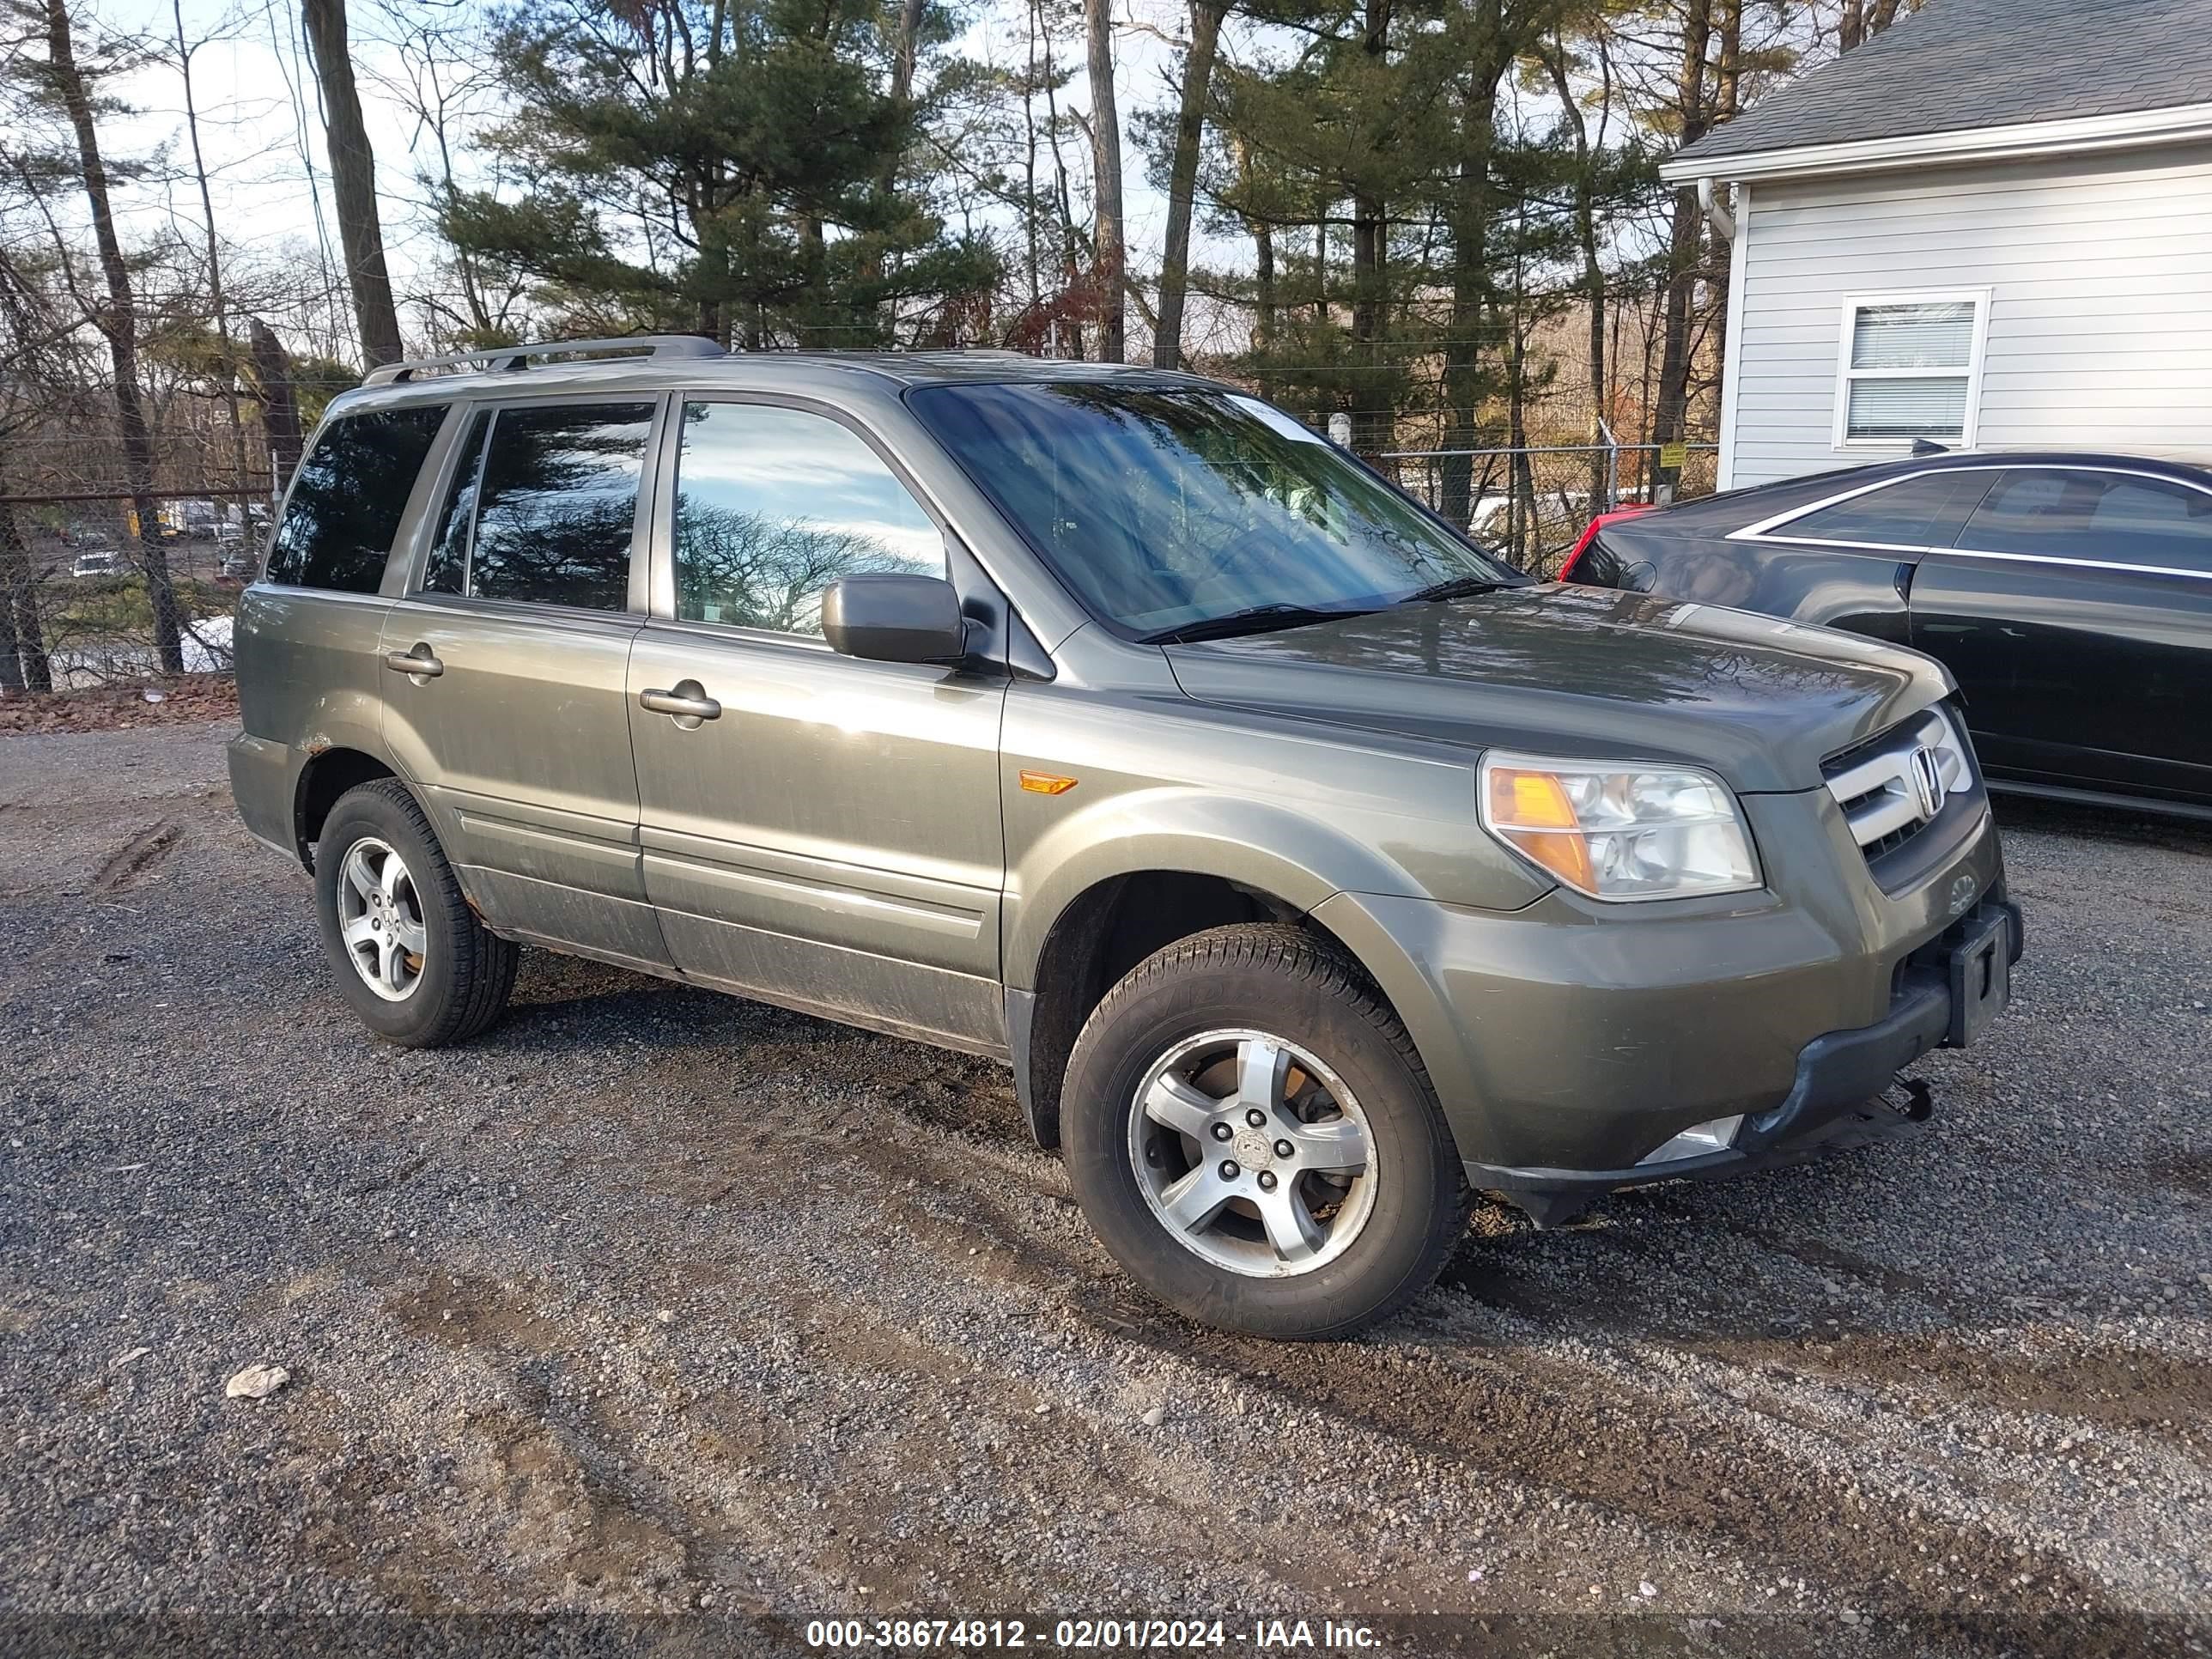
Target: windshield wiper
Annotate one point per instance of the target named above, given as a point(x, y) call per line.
point(1459, 587)
point(1253, 619)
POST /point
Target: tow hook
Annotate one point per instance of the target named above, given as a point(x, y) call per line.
point(1919, 1101)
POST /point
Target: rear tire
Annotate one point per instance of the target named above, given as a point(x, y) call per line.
point(1168, 1090)
point(408, 952)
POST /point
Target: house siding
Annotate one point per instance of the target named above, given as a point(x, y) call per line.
point(2100, 269)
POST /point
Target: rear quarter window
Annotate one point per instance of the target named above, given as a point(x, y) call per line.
point(346, 504)
point(1923, 511)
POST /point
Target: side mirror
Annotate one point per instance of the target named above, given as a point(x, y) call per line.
point(887, 618)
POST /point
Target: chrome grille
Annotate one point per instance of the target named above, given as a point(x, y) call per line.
point(1892, 788)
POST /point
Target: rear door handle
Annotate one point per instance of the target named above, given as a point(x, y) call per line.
point(689, 703)
point(417, 661)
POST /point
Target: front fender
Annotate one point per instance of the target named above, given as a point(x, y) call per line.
point(1273, 848)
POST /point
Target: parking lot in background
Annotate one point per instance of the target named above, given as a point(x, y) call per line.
point(654, 1301)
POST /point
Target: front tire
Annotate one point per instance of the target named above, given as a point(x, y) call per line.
point(408, 952)
point(1252, 1133)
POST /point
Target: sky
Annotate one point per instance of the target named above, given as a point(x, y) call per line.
point(250, 81)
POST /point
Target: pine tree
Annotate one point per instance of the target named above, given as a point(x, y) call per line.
point(715, 167)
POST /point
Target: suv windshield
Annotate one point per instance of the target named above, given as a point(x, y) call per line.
point(1167, 508)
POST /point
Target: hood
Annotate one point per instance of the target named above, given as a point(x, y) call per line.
point(1583, 672)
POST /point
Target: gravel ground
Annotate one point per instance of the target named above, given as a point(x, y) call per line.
point(686, 1320)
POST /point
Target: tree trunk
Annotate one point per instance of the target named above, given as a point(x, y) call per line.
point(280, 410)
point(214, 264)
point(1263, 251)
point(352, 182)
point(1727, 83)
point(1594, 286)
point(1320, 266)
point(11, 663)
point(904, 53)
point(1106, 180)
point(1521, 480)
point(1182, 179)
point(1685, 243)
point(1370, 250)
point(1071, 263)
point(23, 665)
point(1030, 167)
point(1489, 57)
point(120, 325)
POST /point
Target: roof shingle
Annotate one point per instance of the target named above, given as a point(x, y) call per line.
point(1958, 64)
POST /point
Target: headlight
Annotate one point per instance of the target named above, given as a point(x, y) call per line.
point(1619, 829)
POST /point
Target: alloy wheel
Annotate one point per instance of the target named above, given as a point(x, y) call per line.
point(380, 920)
point(1252, 1153)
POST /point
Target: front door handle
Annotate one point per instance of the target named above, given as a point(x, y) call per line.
point(416, 661)
point(689, 703)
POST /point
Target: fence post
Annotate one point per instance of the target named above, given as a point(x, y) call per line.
point(1612, 467)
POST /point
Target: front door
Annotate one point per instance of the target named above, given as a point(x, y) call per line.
point(2076, 611)
point(515, 729)
point(818, 831)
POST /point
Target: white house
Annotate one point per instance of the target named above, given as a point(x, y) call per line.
point(1989, 227)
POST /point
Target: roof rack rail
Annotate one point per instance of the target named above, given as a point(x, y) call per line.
point(519, 356)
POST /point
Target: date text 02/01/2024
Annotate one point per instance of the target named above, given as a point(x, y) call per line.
point(1110, 1635)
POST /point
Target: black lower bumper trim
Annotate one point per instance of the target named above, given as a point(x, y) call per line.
point(1863, 1121)
point(1833, 1101)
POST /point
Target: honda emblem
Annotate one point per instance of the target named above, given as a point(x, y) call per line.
point(1928, 782)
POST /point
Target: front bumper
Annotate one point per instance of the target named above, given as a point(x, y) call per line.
point(1830, 1105)
point(1570, 1041)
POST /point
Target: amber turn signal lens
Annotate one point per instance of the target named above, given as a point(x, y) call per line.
point(1529, 800)
point(1531, 811)
point(1046, 783)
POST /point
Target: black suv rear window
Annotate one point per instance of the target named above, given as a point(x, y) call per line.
point(345, 505)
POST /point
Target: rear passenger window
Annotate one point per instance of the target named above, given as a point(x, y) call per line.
point(346, 501)
point(448, 567)
point(542, 504)
point(1923, 511)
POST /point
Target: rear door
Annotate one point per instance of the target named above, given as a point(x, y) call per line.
point(2076, 612)
point(522, 610)
point(825, 832)
point(307, 638)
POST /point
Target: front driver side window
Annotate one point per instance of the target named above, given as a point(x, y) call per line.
point(773, 504)
point(2093, 517)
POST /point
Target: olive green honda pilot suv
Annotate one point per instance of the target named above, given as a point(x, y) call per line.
point(1310, 866)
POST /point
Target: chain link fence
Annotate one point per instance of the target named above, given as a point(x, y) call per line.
point(1532, 505)
point(76, 609)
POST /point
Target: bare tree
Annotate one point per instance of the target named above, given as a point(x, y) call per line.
point(1109, 247)
point(118, 323)
point(1182, 179)
point(1858, 21)
point(1685, 240)
point(353, 181)
point(1587, 145)
point(184, 50)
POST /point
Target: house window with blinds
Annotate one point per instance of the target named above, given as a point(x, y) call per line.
point(1910, 367)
